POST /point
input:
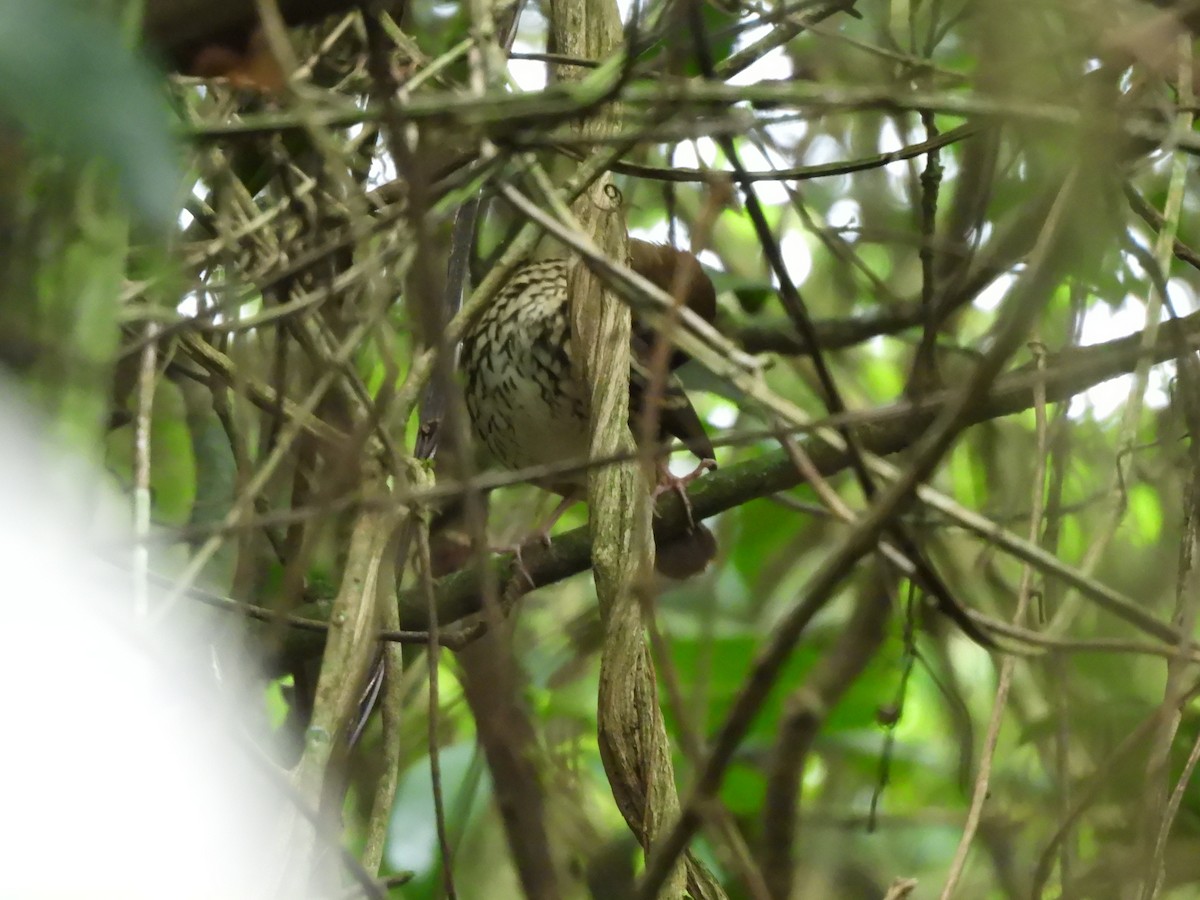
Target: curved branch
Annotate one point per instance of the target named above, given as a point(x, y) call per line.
point(883, 431)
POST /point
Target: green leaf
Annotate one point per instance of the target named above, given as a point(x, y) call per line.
point(412, 834)
point(1147, 517)
point(172, 463)
point(724, 662)
point(67, 80)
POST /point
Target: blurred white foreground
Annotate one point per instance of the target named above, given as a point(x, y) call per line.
point(121, 775)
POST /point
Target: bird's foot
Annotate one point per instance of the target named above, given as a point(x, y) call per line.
point(541, 535)
point(519, 561)
point(667, 481)
point(516, 549)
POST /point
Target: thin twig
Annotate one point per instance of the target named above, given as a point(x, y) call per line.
point(979, 793)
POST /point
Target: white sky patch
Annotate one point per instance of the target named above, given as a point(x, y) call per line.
point(529, 74)
point(1158, 391)
point(821, 150)
point(708, 151)
point(898, 172)
point(700, 153)
point(774, 66)
point(685, 156)
point(787, 132)
point(1106, 400)
point(1134, 267)
point(1182, 296)
point(1101, 401)
point(990, 297)
point(890, 139)
point(751, 36)
point(200, 192)
point(768, 156)
point(682, 464)
point(797, 257)
point(753, 159)
point(710, 259)
point(383, 170)
point(1103, 323)
point(189, 304)
point(844, 213)
point(723, 415)
point(949, 168)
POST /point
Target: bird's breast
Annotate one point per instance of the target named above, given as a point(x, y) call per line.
point(525, 405)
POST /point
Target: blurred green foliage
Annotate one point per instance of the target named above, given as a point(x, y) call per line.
point(68, 81)
point(886, 789)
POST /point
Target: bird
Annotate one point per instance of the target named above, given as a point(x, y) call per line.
point(527, 406)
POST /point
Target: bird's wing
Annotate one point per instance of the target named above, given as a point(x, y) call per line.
point(677, 417)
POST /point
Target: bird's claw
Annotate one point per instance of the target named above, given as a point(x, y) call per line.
point(519, 565)
point(541, 536)
point(667, 481)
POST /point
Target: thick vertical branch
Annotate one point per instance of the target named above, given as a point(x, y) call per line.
point(350, 647)
point(633, 739)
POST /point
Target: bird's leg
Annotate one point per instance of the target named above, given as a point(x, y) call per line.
point(668, 481)
point(541, 534)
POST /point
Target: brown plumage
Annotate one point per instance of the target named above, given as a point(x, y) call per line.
point(527, 407)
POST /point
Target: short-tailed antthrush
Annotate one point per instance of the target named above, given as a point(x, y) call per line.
point(524, 398)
